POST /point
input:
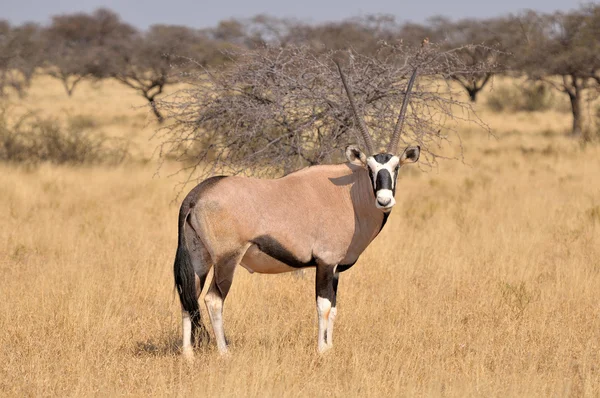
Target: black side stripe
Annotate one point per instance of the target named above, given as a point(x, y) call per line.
point(272, 248)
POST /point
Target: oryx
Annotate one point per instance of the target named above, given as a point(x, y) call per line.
point(320, 216)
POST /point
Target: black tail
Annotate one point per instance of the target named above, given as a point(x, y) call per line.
point(185, 277)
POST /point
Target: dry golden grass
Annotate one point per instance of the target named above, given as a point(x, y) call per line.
point(485, 281)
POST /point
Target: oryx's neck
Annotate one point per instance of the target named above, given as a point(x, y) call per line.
point(356, 198)
point(348, 188)
point(370, 219)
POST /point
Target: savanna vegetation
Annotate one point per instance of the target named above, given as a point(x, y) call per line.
point(484, 282)
point(557, 51)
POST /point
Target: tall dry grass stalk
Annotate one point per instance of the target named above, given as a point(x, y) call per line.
point(485, 282)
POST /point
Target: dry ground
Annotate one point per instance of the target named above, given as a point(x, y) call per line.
point(485, 281)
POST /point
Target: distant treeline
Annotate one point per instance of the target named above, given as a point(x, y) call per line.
point(559, 49)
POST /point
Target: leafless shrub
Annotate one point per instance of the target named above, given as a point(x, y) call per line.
point(32, 139)
point(277, 109)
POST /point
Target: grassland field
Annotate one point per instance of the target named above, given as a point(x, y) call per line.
point(485, 281)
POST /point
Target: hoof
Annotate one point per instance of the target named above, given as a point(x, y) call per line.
point(225, 354)
point(324, 348)
point(188, 354)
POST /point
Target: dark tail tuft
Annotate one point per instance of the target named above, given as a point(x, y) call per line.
point(185, 277)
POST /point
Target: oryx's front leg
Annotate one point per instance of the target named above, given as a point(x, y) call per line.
point(325, 281)
point(333, 312)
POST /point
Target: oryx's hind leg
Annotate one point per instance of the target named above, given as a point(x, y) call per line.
point(326, 290)
point(193, 329)
point(217, 292)
point(202, 264)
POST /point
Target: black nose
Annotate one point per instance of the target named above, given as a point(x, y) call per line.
point(384, 201)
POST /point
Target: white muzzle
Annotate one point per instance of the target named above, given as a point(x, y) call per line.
point(385, 199)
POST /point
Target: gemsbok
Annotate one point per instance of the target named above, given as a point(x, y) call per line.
point(320, 216)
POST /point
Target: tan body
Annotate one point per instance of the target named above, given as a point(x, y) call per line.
point(336, 228)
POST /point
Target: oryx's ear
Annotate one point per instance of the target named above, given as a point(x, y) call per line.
point(355, 155)
point(410, 154)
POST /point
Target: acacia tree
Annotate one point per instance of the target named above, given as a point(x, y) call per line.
point(253, 32)
point(277, 109)
point(360, 34)
point(486, 33)
point(80, 45)
point(19, 56)
point(8, 52)
point(563, 46)
point(145, 63)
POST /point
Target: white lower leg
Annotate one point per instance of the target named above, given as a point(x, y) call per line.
point(323, 312)
point(187, 334)
point(214, 304)
point(332, 315)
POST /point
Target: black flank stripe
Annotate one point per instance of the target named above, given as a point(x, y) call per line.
point(272, 248)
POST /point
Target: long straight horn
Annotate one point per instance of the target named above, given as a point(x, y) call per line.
point(393, 146)
point(359, 120)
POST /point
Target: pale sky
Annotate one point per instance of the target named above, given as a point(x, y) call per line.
point(201, 14)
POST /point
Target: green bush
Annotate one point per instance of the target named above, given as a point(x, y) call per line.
point(536, 97)
point(32, 139)
point(501, 98)
point(531, 97)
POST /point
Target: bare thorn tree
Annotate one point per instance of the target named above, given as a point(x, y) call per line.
point(275, 110)
point(145, 62)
